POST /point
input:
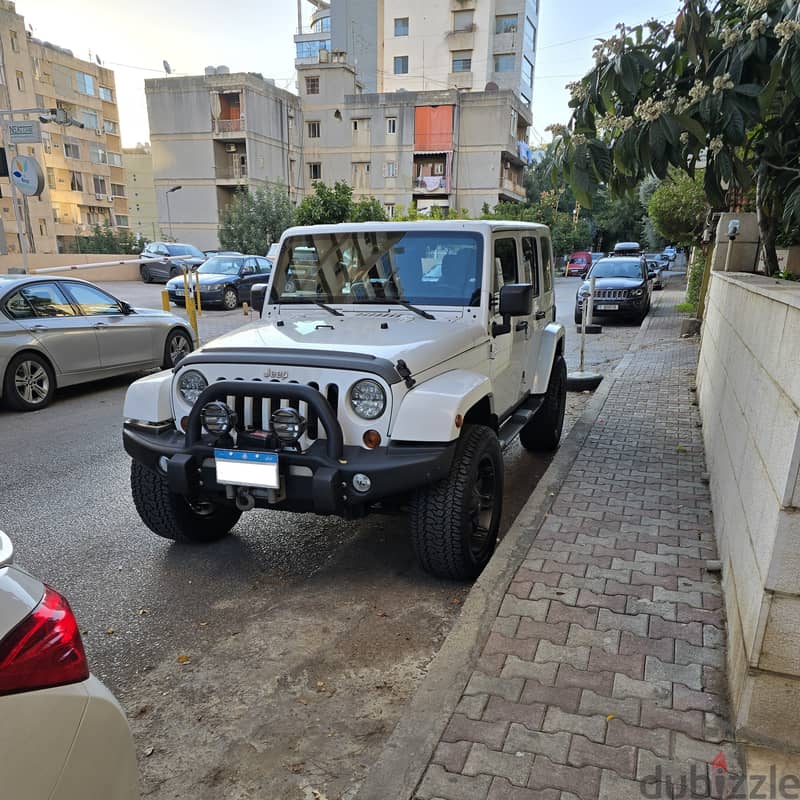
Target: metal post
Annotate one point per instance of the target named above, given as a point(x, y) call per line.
point(592, 281)
point(169, 217)
point(586, 306)
point(188, 292)
point(197, 294)
point(165, 300)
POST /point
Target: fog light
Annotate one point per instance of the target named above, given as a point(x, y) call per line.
point(217, 417)
point(288, 425)
point(371, 439)
point(361, 483)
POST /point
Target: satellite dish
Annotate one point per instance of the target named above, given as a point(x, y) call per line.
point(492, 87)
point(167, 67)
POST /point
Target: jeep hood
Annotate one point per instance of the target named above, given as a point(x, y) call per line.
point(419, 342)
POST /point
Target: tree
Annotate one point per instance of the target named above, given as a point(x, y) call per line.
point(253, 220)
point(326, 205)
point(678, 208)
point(104, 239)
point(719, 89)
point(616, 219)
point(367, 210)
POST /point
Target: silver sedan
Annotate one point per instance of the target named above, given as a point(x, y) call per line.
point(56, 332)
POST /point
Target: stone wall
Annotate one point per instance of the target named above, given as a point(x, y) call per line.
point(749, 393)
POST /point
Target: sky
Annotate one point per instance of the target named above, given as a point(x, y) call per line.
point(251, 36)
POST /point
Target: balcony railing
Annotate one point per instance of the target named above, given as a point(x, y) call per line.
point(232, 171)
point(229, 125)
point(432, 184)
point(512, 186)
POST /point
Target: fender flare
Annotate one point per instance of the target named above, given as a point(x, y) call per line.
point(552, 344)
point(150, 398)
point(428, 412)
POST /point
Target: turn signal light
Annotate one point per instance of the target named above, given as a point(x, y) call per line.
point(372, 439)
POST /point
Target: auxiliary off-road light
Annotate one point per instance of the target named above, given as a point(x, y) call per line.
point(217, 417)
point(361, 482)
point(288, 425)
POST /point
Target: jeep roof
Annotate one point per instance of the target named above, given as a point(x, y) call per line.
point(480, 226)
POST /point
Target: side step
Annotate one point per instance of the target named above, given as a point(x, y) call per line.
point(510, 429)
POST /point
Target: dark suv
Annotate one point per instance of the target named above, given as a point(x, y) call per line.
point(622, 288)
point(161, 270)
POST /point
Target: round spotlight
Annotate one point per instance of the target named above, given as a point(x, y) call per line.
point(217, 417)
point(361, 482)
point(288, 425)
point(371, 439)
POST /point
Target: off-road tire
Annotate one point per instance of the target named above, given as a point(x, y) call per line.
point(144, 272)
point(443, 520)
point(230, 299)
point(39, 371)
point(543, 432)
point(170, 516)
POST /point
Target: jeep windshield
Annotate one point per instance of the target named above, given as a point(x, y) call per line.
point(616, 268)
point(434, 268)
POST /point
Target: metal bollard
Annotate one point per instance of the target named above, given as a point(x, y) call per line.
point(190, 303)
point(246, 309)
point(197, 294)
point(165, 300)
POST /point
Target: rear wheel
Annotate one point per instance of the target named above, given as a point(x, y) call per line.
point(144, 272)
point(230, 299)
point(454, 522)
point(172, 516)
point(174, 272)
point(543, 432)
point(29, 382)
point(178, 345)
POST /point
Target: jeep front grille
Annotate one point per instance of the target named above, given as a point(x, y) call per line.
point(610, 294)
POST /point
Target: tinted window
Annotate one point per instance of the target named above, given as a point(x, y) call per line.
point(93, 301)
point(47, 300)
point(547, 265)
point(249, 267)
point(505, 251)
point(263, 265)
point(184, 250)
point(18, 307)
point(616, 268)
point(222, 265)
point(530, 257)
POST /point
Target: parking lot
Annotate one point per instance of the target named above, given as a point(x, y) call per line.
point(266, 665)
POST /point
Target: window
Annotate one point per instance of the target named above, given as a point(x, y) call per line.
point(118, 190)
point(438, 168)
point(93, 301)
point(462, 61)
point(313, 130)
point(97, 154)
point(321, 25)
point(315, 171)
point(312, 84)
point(105, 94)
point(75, 182)
point(360, 125)
point(122, 220)
point(72, 148)
point(530, 35)
point(505, 23)
point(20, 81)
point(115, 159)
point(505, 252)
point(391, 169)
point(401, 26)
point(531, 261)
point(14, 41)
point(42, 227)
point(99, 183)
point(401, 65)
point(391, 125)
point(109, 126)
point(389, 210)
point(504, 62)
point(527, 72)
point(46, 142)
point(263, 265)
point(311, 49)
point(46, 300)
point(462, 20)
point(51, 178)
point(547, 265)
point(84, 83)
point(88, 118)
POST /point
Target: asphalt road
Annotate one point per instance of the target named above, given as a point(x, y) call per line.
point(270, 664)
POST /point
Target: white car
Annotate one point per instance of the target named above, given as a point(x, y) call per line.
point(63, 736)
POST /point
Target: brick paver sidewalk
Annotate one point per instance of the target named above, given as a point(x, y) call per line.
point(605, 664)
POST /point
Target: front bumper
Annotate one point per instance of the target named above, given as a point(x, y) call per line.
point(626, 306)
point(319, 479)
point(207, 296)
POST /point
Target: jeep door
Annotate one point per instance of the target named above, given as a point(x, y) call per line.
point(532, 273)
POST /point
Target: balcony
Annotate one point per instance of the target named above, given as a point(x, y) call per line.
point(431, 184)
point(233, 173)
point(512, 189)
point(221, 127)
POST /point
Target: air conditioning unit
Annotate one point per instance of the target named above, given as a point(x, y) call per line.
point(98, 196)
point(230, 148)
point(110, 198)
point(98, 131)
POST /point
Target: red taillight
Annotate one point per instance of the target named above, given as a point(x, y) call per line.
point(44, 650)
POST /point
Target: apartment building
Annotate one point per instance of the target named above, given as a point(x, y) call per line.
point(142, 210)
point(447, 148)
point(85, 179)
point(213, 134)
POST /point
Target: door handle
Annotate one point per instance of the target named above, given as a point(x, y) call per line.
point(38, 328)
point(99, 325)
point(539, 315)
point(521, 326)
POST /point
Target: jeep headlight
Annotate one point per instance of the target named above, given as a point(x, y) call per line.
point(190, 385)
point(368, 399)
point(637, 292)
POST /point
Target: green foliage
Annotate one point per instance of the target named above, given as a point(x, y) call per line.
point(695, 279)
point(326, 205)
point(253, 220)
point(367, 210)
point(105, 239)
point(678, 208)
point(617, 219)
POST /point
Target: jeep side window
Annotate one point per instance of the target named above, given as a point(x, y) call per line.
point(531, 260)
point(547, 265)
point(506, 251)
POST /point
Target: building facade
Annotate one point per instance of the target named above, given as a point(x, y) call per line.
point(142, 210)
point(212, 135)
point(85, 179)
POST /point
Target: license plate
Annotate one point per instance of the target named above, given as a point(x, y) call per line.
point(179, 292)
point(247, 468)
point(607, 307)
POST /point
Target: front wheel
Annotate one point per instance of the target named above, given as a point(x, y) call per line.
point(543, 432)
point(230, 299)
point(29, 383)
point(454, 522)
point(144, 272)
point(177, 345)
point(172, 516)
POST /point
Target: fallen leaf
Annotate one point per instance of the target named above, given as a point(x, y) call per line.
point(183, 659)
point(148, 751)
point(109, 631)
point(144, 612)
point(610, 717)
point(381, 614)
point(203, 624)
point(680, 449)
point(456, 601)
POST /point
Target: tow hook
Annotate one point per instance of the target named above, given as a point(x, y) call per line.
point(244, 500)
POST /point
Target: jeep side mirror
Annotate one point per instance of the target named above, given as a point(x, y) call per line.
point(652, 274)
point(516, 300)
point(258, 293)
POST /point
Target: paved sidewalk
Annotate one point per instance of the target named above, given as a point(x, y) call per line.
point(605, 666)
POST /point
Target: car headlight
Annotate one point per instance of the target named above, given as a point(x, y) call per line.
point(637, 292)
point(191, 385)
point(368, 399)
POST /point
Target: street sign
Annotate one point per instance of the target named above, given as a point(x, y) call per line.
point(27, 175)
point(27, 132)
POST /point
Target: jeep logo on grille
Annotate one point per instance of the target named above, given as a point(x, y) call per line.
point(271, 372)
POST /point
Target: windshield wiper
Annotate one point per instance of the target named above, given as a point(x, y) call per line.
point(329, 309)
point(304, 300)
point(416, 310)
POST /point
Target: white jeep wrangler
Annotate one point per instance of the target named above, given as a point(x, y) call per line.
point(392, 363)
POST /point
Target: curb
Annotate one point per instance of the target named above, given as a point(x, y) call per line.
point(402, 763)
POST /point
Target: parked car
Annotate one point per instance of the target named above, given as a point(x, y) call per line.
point(671, 253)
point(578, 263)
point(224, 280)
point(627, 249)
point(63, 735)
point(209, 253)
point(162, 270)
point(622, 288)
point(597, 256)
point(659, 258)
point(272, 253)
point(656, 268)
point(56, 332)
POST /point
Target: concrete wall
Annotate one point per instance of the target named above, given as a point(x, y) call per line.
point(118, 272)
point(749, 393)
